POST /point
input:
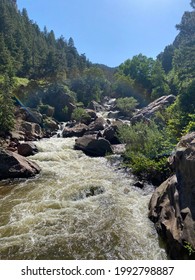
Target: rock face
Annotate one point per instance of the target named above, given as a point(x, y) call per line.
point(172, 206)
point(32, 131)
point(13, 165)
point(92, 146)
point(27, 130)
point(150, 110)
point(61, 100)
point(34, 116)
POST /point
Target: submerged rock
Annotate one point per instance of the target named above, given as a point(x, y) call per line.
point(13, 165)
point(91, 191)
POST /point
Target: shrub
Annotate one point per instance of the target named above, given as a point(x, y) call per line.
point(147, 149)
point(6, 106)
point(46, 109)
point(127, 105)
point(80, 115)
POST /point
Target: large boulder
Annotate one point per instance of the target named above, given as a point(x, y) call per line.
point(92, 114)
point(92, 146)
point(111, 132)
point(32, 131)
point(47, 110)
point(34, 116)
point(93, 105)
point(13, 165)
point(76, 131)
point(27, 149)
point(50, 124)
point(156, 106)
point(88, 116)
point(58, 97)
point(172, 206)
point(27, 131)
point(99, 124)
point(17, 135)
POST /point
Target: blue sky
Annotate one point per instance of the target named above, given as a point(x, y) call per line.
point(110, 31)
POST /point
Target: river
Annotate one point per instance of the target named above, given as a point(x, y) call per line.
point(77, 208)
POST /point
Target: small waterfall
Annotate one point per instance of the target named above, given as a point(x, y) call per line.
point(61, 127)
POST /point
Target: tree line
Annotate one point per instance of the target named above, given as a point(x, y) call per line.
point(30, 52)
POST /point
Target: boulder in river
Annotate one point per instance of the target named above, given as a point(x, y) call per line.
point(110, 133)
point(172, 206)
point(98, 124)
point(27, 149)
point(77, 130)
point(50, 124)
point(13, 165)
point(92, 146)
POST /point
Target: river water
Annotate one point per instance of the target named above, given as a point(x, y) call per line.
point(77, 208)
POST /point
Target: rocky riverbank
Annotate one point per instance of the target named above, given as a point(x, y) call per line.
point(172, 206)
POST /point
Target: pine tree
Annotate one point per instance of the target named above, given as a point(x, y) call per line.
point(192, 3)
point(6, 105)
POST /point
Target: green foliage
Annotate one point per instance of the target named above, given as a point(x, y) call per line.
point(146, 167)
point(191, 124)
point(192, 3)
point(138, 69)
point(143, 75)
point(176, 120)
point(48, 97)
point(20, 82)
point(46, 109)
point(127, 105)
point(91, 86)
point(187, 98)
point(6, 105)
point(33, 53)
point(189, 248)
point(79, 114)
point(147, 138)
point(166, 58)
point(124, 86)
point(180, 115)
point(65, 110)
point(184, 54)
point(147, 148)
point(160, 86)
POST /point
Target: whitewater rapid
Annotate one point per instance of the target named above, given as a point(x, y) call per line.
point(77, 208)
